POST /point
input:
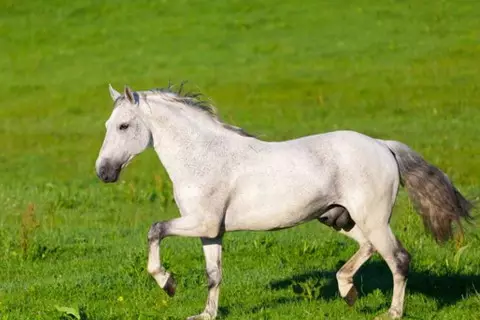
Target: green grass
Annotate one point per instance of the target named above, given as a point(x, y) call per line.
point(281, 69)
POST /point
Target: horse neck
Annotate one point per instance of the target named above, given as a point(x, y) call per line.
point(183, 140)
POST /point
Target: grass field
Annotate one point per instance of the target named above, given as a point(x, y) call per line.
point(281, 69)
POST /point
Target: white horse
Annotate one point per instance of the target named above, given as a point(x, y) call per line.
point(226, 180)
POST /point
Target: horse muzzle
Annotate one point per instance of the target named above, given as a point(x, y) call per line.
point(108, 171)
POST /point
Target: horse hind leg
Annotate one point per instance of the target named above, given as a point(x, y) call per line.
point(397, 259)
point(349, 269)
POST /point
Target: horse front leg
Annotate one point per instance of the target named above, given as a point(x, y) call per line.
point(187, 226)
point(212, 248)
point(163, 278)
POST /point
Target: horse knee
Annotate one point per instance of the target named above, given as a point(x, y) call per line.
point(339, 275)
point(157, 231)
point(342, 277)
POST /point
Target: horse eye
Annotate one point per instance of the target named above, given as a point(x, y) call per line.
point(123, 126)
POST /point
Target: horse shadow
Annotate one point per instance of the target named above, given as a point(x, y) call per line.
point(447, 289)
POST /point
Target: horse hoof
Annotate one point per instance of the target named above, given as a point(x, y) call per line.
point(383, 316)
point(351, 296)
point(170, 286)
point(202, 316)
point(392, 314)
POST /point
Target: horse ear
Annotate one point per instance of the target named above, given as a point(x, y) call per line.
point(113, 93)
point(130, 95)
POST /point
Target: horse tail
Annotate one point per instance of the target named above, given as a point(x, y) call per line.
point(434, 196)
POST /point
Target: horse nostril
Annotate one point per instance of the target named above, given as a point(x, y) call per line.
point(102, 172)
point(108, 171)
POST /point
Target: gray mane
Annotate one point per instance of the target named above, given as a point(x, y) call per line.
point(194, 100)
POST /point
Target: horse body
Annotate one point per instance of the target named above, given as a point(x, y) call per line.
point(286, 183)
point(225, 180)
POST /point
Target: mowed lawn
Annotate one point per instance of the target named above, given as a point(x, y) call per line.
point(280, 69)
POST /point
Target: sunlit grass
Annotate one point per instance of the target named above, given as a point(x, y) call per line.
point(396, 70)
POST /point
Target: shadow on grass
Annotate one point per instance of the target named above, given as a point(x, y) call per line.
point(446, 289)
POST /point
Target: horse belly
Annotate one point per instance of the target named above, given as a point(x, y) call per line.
point(278, 204)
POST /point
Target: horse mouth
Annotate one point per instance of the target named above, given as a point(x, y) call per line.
point(126, 163)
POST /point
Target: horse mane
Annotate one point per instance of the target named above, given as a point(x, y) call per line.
point(195, 100)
